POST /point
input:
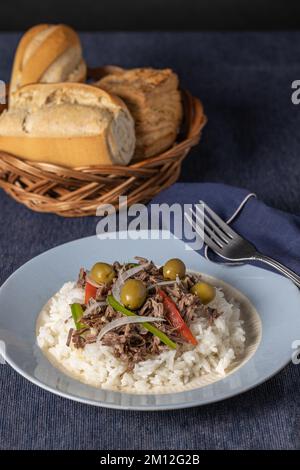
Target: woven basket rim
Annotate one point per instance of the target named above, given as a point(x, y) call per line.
point(193, 133)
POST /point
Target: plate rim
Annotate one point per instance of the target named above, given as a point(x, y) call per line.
point(147, 407)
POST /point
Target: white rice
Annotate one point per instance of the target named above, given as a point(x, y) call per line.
point(218, 346)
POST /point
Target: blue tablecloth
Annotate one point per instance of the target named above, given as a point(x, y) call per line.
point(252, 141)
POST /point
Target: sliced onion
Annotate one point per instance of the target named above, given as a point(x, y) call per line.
point(123, 276)
point(126, 321)
point(93, 307)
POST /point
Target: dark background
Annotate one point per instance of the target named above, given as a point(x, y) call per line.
point(153, 14)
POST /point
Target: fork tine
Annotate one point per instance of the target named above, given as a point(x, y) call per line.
point(225, 227)
point(209, 242)
point(201, 233)
point(224, 237)
point(206, 229)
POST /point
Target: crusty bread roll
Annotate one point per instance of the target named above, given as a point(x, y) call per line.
point(70, 124)
point(48, 54)
point(153, 98)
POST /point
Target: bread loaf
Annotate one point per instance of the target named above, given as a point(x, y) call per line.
point(153, 98)
point(48, 54)
point(69, 124)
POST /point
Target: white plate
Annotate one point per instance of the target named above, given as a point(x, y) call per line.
point(23, 295)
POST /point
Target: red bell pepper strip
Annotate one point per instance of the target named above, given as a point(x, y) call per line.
point(90, 291)
point(176, 319)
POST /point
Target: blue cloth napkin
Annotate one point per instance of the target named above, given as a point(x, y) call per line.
point(273, 232)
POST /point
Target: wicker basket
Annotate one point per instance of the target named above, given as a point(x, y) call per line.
point(78, 191)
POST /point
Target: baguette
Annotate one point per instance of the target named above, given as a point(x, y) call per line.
point(69, 124)
point(47, 54)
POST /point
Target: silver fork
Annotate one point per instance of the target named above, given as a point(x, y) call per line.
point(227, 243)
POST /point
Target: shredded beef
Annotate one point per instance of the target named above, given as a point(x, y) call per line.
point(69, 337)
point(117, 266)
point(78, 341)
point(133, 343)
point(102, 292)
point(81, 281)
point(152, 307)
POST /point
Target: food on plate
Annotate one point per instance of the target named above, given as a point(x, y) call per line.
point(153, 98)
point(48, 54)
point(102, 273)
point(205, 292)
point(136, 331)
point(71, 124)
point(133, 293)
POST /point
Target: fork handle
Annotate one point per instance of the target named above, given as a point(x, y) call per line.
point(280, 267)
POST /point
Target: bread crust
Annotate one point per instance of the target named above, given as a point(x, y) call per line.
point(24, 41)
point(79, 149)
point(57, 42)
point(70, 152)
point(60, 39)
point(44, 89)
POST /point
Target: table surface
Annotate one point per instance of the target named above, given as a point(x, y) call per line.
point(251, 140)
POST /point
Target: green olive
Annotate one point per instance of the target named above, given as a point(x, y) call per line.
point(172, 268)
point(102, 273)
point(133, 294)
point(205, 292)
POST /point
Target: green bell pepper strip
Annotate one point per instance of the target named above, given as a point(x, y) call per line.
point(77, 314)
point(155, 331)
